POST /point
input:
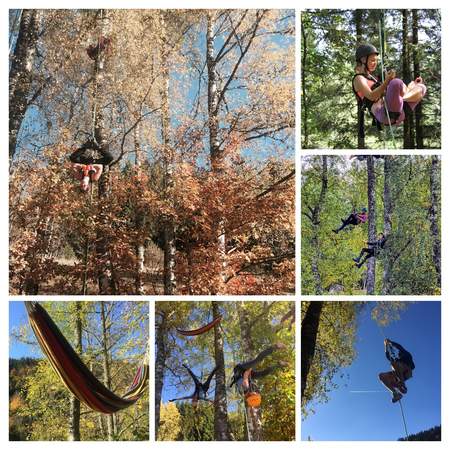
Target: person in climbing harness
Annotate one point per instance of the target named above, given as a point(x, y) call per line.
point(371, 251)
point(201, 389)
point(89, 161)
point(103, 44)
point(355, 218)
point(402, 367)
point(244, 375)
point(369, 91)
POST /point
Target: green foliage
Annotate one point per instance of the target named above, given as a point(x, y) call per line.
point(334, 349)
point(329, 113)
point(170, 423)
point(40, 403)
point(277, 389)
point(197, 424)
point(410, 242)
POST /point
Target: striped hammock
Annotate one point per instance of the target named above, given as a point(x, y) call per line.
point(74, 373)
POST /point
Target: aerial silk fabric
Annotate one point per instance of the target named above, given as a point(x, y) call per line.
point(74, 373)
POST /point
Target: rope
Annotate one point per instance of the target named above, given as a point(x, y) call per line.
point(246, 420)
point(382, 78)
point(86, 248)
point(94, 109)
point(404, 421)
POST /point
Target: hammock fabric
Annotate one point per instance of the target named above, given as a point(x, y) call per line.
point(201, 330)
point(74, 373)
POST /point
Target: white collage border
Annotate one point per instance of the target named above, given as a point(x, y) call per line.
point(285, 4)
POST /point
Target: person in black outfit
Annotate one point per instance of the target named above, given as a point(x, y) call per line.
point(371, 251)
point(355, 218)
point(201, 389)
point(402, 366)
point(89, 161)
point(244, 374)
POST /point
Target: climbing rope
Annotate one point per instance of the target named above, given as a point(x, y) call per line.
point(95, 93)
point(86, 248)
point(404, 421)
point(381, 35)
point(246, 420)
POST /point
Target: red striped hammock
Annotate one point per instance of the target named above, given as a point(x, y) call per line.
point(74, 373)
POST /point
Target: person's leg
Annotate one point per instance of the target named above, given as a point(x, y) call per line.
point(369, 254)
point(389, 380)
point(98, 170)
point(414, 93)
point(364, 250)
point(350, 220)
point(394, 101)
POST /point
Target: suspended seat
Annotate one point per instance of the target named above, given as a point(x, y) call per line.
point(74, 373)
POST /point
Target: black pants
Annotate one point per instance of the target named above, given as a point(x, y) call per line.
point(369, 253)
point(352, 219)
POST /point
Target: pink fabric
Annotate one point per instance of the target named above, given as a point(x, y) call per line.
point(362, 217)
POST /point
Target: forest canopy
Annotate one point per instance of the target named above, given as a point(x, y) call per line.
point(410, 42)
point(371, 224)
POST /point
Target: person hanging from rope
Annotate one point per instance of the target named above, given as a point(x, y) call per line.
point(371, 251)
point(402, 367)
point(201, 389)
point(89, 161)
point(355, 218)
point(244, 375)
point(369, 91)
point(103, 45)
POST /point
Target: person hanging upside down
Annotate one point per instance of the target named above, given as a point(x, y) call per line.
point(201, 389)
point(355, 218)
point(402, 367)
point(87, 165)
point(371, 251)
point(244, 375)
point(370, 91)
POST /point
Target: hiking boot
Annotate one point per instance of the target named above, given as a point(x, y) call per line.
point(396, 397)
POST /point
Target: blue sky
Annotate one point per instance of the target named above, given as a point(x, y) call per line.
point(371, 416)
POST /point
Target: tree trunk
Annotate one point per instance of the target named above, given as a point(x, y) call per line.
point(435, 191)
point(169, 228)
point(216, 154)
point(304, 92)
point(416, 66)
point(408, 129)
point(106, 283)
point(160, 363)
point(20, 76)
point(315, 219)
point(221, 424)
point(253, 415)
point(372, 231)
point(139, 221)
point(74, 430)
point(359, 26)
point(106, 365)
point(389, 179)
point(309, 332)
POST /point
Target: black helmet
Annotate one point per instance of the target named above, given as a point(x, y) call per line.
point(365, 50)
